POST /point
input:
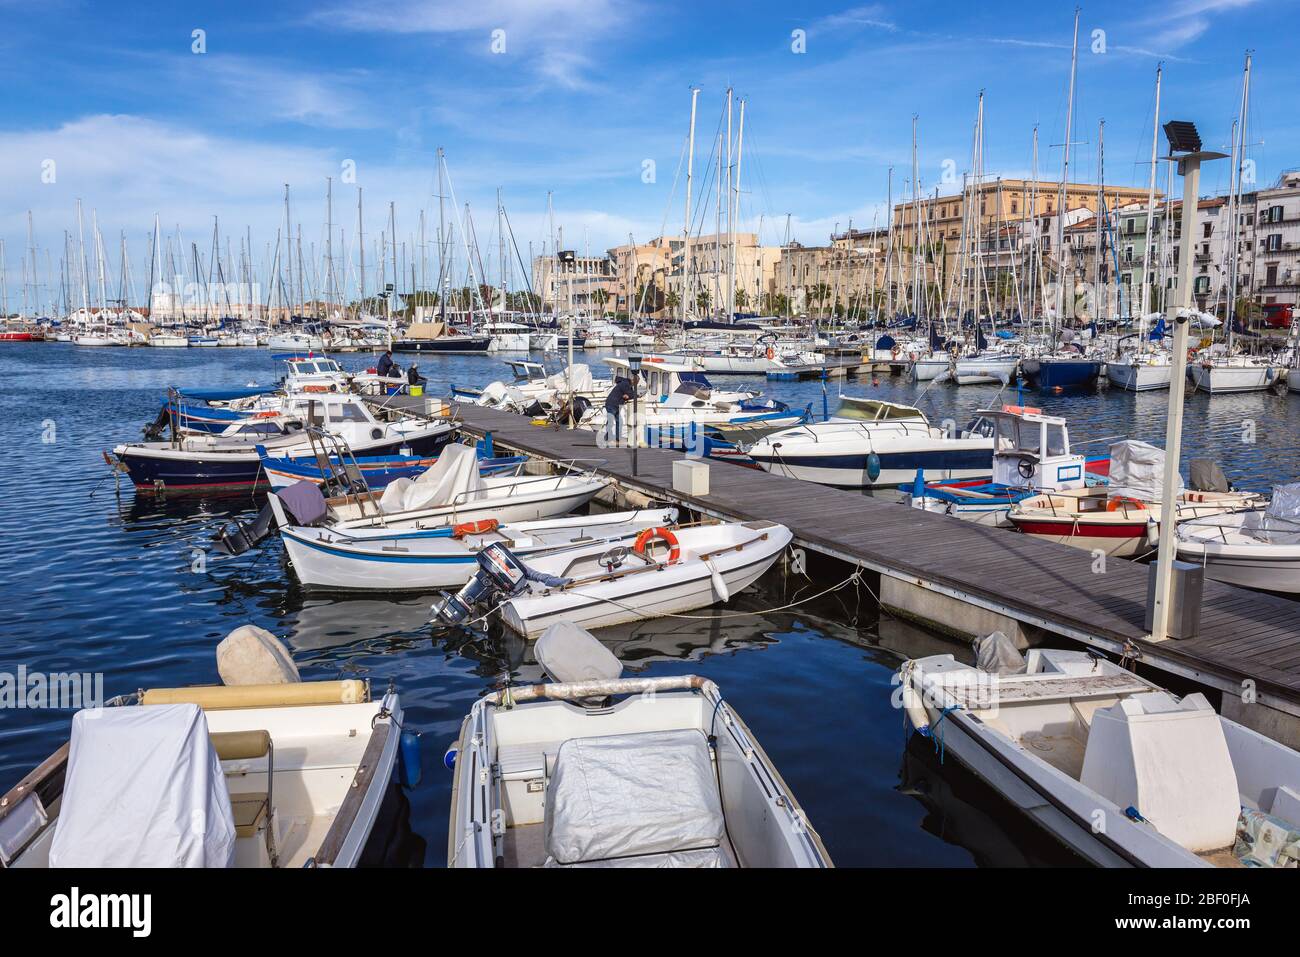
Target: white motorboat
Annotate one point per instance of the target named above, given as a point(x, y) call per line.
point(230, 459)
point(507, 336)
point(1258, 548)
point(295, 342)
point(870, 442)
point(285, 775)
point(596, 770)
point(1120, 770)
point(450, 492)
point(700, 566)
point(447, 558)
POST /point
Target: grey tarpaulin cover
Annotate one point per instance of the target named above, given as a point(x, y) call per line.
point(997, 654)
point(304, 502)
point(632, 794)
point(144, 789)
point(1137, 470)
point(570, 653)
point(1206, 476)
point(1281, 521)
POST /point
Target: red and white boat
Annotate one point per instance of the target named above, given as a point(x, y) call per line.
point(1122, 519)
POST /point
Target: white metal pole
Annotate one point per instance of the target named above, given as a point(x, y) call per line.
point(1177, 388)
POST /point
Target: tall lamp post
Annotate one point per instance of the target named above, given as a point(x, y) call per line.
point(1185, 147)
point(634, 371)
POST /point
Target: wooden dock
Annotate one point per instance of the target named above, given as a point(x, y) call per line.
point(1244, 637)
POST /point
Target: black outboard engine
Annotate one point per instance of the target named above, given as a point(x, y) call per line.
point(499, 573)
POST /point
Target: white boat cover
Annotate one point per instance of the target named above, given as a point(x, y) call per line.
point(997, 654)
point(454, 478)
point(1280, 524)
point(1137, 470)
point(629, 795)
point(144, 789)
point(581, 373)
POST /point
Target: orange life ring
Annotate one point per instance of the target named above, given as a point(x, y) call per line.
point(474, 528)
point(1191, 354)
point(1115, 504)
point(663, 535)
point(771, 353)
point(314, 388)
point(269, 414)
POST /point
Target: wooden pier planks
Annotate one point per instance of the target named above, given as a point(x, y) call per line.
point(1244, 635)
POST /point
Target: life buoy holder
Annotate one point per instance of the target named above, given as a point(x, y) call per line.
point(1115, 504)
point(474, 528)
point(661, 534)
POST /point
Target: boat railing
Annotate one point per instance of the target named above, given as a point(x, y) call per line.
point(582, 690)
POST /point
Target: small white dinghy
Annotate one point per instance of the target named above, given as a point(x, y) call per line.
point(595, 585)
point(451, 492)
point(602, 771)
point(446, 557)
point(1120, 770)
point(1254, 549)
point(286, 774)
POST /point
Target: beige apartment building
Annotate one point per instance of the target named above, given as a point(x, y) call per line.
point(994, 205)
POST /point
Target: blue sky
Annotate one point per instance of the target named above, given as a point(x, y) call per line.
point(585, 92)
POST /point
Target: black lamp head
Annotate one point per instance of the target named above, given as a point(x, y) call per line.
point(1182, 136)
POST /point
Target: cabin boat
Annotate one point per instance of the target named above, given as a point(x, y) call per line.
point(1031, 454)
point(1143, 371)
point(987, 366)
point(296, 342)
point(230, 459)
point(286, 775)
point(699, 566)
point(596, 770)
point(507, 336)
point(426, 560)
point(871, 442)
point(1259, 548)
point(1122, 519)
point(676, 395)
point(1120, 770)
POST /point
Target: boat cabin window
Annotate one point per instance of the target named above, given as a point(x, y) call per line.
point(1056, 441)
point(339, 412)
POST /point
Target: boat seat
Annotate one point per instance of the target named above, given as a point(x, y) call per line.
point(251, 809)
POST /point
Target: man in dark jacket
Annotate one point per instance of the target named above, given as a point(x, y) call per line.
point(387, 368)
point(623, 391)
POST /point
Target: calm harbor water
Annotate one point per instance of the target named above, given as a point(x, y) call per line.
point(94, 580)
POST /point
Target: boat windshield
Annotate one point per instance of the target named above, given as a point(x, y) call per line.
point(873, 411)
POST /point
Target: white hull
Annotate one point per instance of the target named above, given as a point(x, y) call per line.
point(672, 589)
point(923, 370)
point(1221, 380)
point(1139, 376)
point(322, 559)
point(169, 342)
point(976, 371)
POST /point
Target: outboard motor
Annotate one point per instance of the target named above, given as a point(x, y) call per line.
point(302, 503)
point(499, 572)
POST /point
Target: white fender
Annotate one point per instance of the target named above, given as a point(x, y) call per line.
point(719, 585)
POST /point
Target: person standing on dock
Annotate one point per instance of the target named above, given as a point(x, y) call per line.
point(623, 391)
point(387, 368)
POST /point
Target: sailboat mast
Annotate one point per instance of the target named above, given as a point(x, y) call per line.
point(1150, 223)
point(1239, 147)
point(1061, 251)
point(686, 231)
point(740, 152)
